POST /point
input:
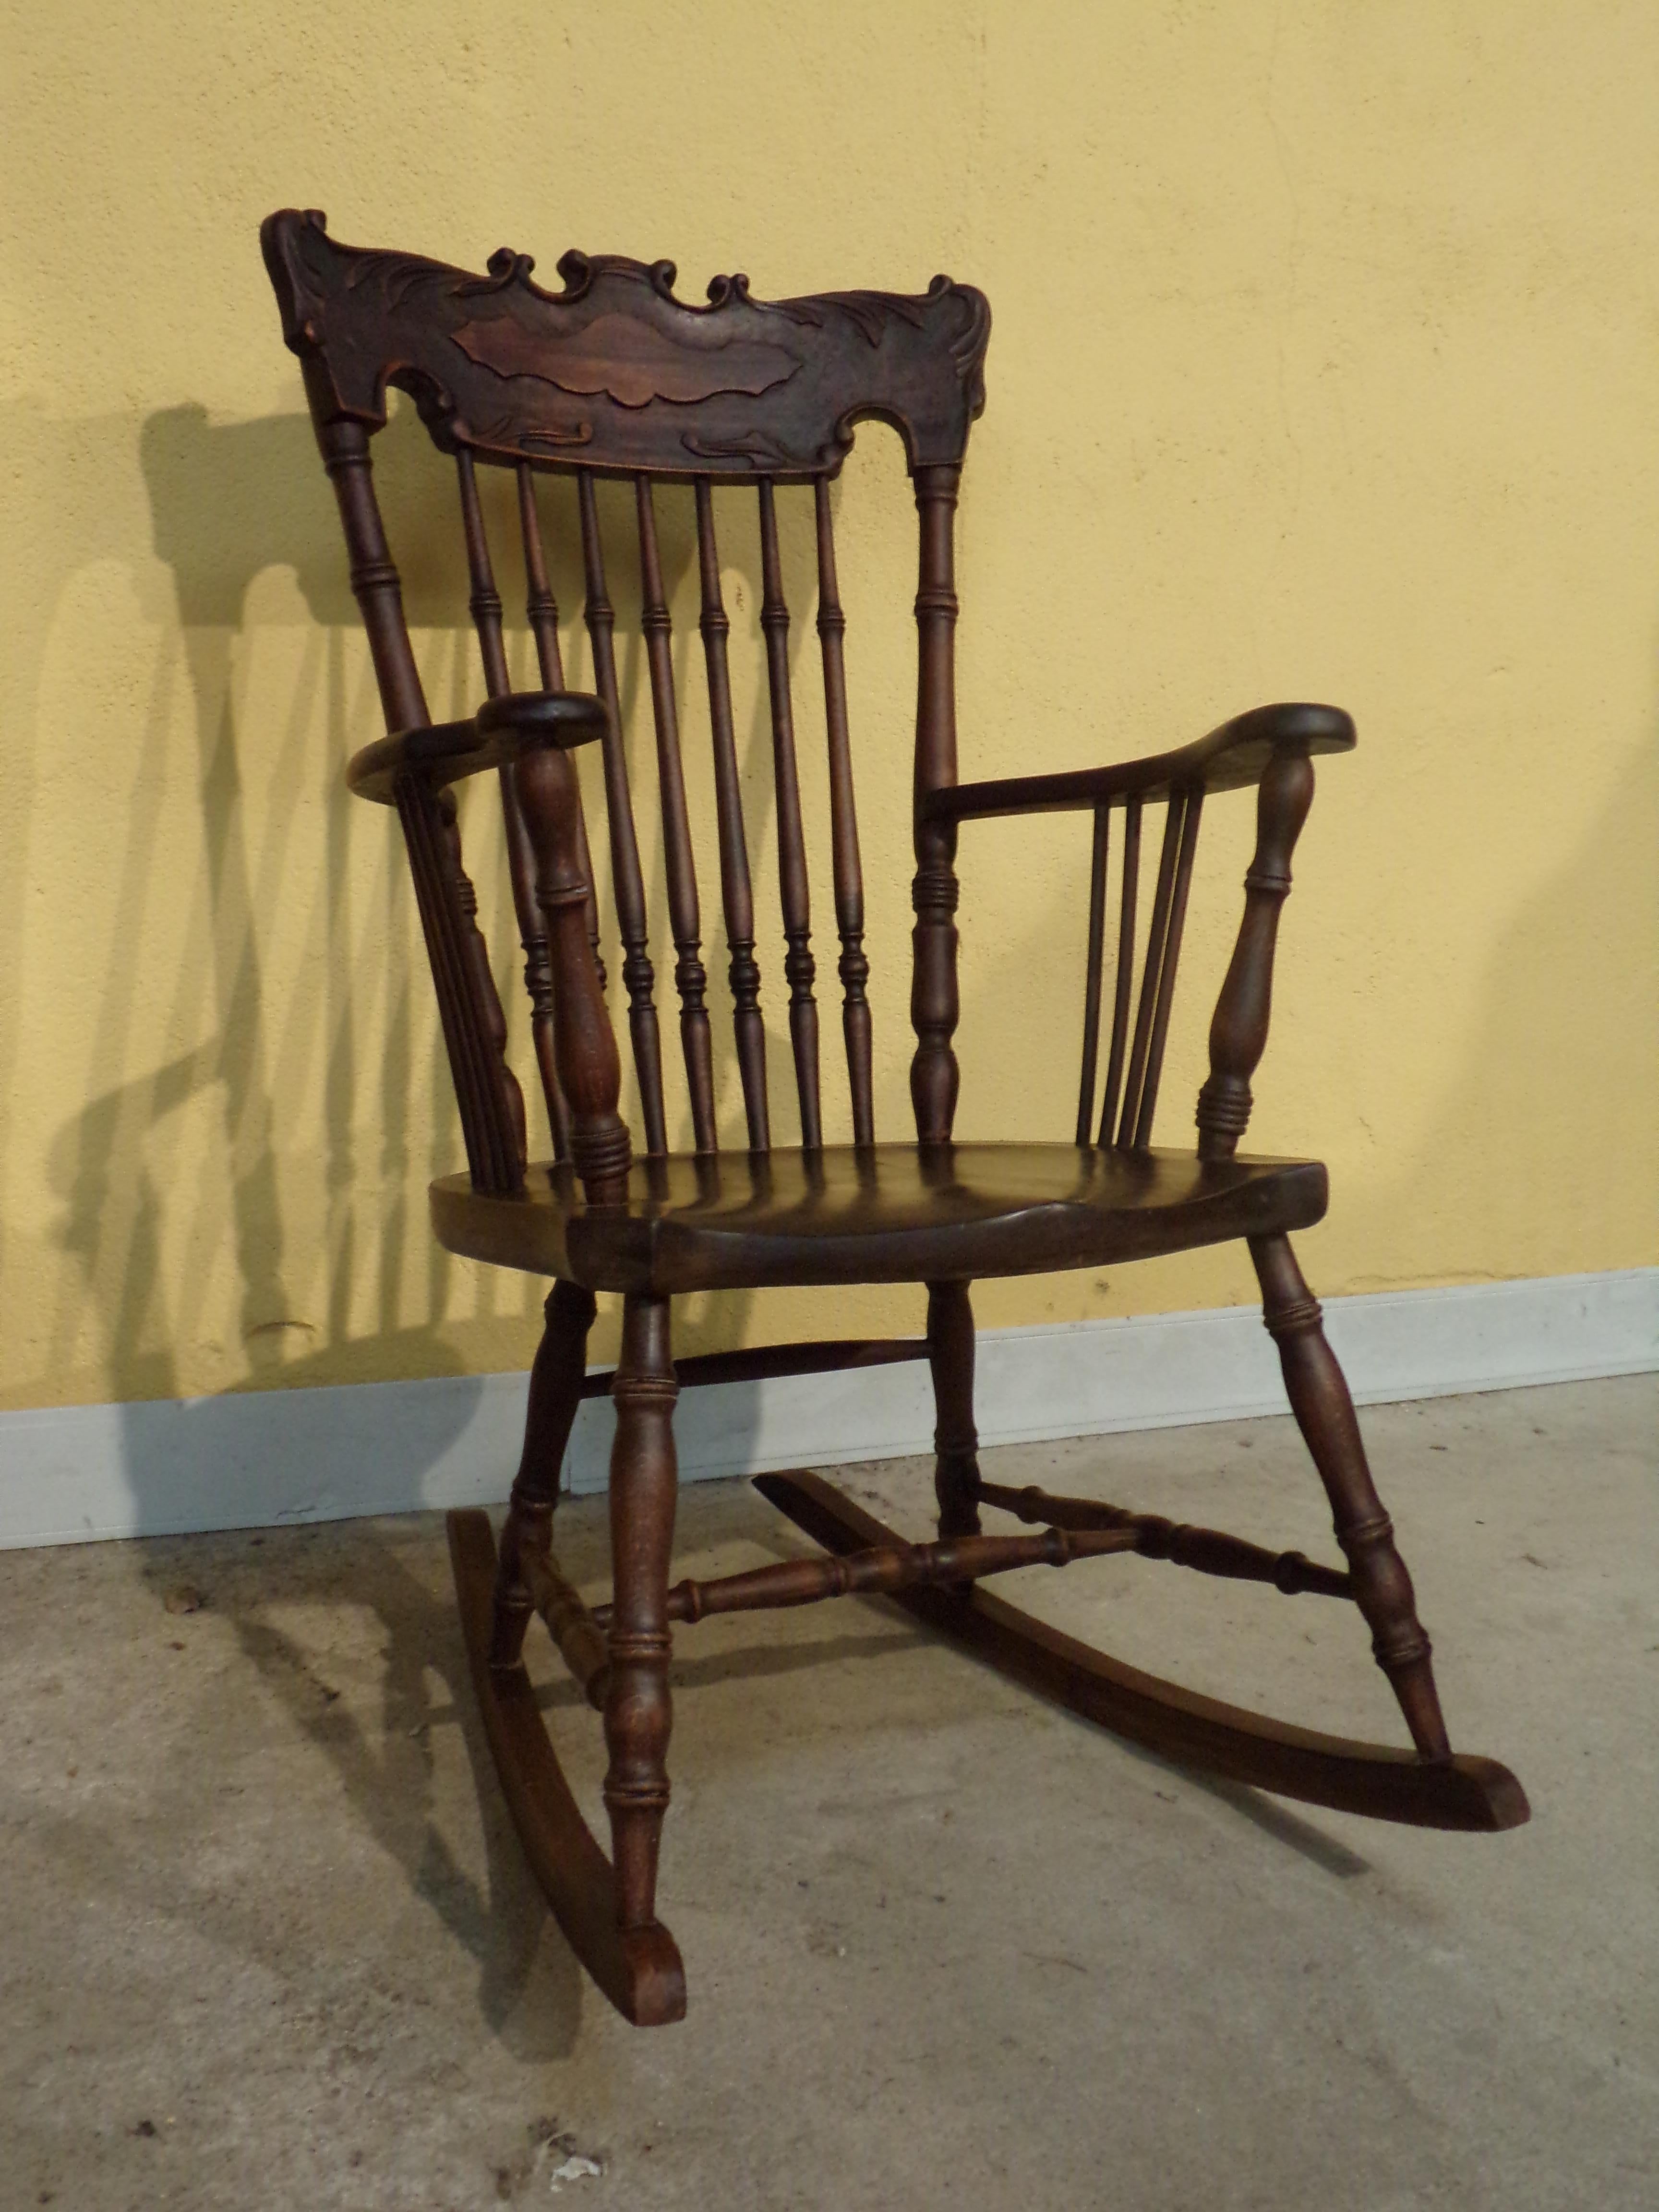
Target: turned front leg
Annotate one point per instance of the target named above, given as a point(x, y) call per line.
point(637, 1714)
point(556, 1389)
point(956, 1440)
point(1324, 1413)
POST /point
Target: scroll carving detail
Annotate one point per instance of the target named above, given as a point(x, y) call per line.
point(618, 372)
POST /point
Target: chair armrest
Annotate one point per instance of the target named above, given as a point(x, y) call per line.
point(503, 731)
point(1238, 754)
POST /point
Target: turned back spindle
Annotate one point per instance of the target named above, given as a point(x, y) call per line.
point(666, 989)
point(615, 380)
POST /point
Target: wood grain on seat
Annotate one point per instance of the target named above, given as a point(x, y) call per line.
point(879, 1214)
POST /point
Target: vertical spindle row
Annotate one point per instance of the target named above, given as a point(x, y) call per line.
point(799, 966)
point(1141, 1050)
point(467, 1004)
point(737, 893)
point(690, 978)
point(541, 608)
point(1189, 805)
point(1175, 870)
point(1123, 975)
point(483, 600)
point(853, 966)
point(484, 604)
point(542, 612)
point(1085, 1096)
point(638, 976)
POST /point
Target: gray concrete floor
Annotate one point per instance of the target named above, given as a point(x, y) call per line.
point(269, 1943)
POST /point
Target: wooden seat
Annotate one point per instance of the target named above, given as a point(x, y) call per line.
point(614, 380)
point(881, 1213)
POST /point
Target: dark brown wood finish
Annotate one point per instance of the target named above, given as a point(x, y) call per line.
point(883, 1213)
point(481, 983)
point(637, 1709)
point(1208, 1550)
point(1375, 1779)
point(1123, 980)
point(690, 977)
point(1151, 975)
point(637, 1968)
point(737, 892)
point(1238, 1034)
point(799, 969)
point(582, 1639)
point(556, 1391)
point(1187, 810)
point(956, 1440)
point(761, 1362)
point(589, 1071)
point(467, 1005)
point(853, 967)
point(541, 608)
point(542, 613)
point(484, 603)
point(886, 1569)
point(616, 378)
point(639, 976)
point(1085, 1096)
point(934, 1003)
point(614, 372)
point(1324, 1412)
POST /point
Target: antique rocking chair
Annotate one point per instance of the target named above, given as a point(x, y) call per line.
point(614, 377)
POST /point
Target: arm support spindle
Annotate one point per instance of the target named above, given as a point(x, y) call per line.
point(589, 1071)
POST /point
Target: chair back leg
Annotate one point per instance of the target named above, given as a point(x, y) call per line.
point(1324, 1413)
point(556, 1388)
point(956, 1440)
point(644, 1478)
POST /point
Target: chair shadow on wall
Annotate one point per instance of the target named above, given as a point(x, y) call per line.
point(228, 502)
point(208, 488)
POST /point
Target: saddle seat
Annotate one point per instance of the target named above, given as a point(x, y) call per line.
point(873, 1214)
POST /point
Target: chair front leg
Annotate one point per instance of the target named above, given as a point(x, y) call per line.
point(1324, 1413)
point(956, 1440)
point(556, 1389)
point(637, 1714)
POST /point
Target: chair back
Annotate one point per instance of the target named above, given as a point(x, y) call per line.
point(613, 377)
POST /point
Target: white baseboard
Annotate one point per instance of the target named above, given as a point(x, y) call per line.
point(257, 1459)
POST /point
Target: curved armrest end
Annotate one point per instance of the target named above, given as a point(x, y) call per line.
point(502, 731)
point(1230, 758)
point(1241, 749)
point(565, 719)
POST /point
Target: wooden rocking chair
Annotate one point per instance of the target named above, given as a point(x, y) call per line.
point(614, 377)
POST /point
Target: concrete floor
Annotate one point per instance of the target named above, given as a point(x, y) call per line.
point(269, 1943)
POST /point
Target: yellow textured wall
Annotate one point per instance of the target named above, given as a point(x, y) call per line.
point(1325, 365)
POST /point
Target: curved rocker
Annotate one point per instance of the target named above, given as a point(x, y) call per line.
point(638, 1969)
point(1191, 1730)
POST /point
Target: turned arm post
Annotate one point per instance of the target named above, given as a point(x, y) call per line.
point(589, 1071)
point(1238, 1033)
